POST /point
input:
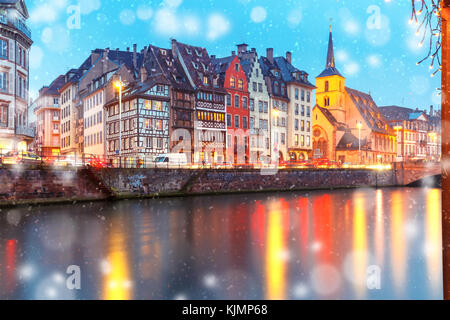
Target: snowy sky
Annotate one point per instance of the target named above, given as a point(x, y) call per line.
point(376, 48)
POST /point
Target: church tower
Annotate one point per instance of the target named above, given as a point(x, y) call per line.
point(330, 84)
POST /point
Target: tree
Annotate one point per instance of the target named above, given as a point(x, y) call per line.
point(435, 25)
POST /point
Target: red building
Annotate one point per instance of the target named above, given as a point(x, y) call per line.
point(233, 79)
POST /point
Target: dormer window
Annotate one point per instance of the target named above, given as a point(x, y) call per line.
point(188, 51)
point(198, 53)
point(195, 65)
point(163, 52)
point(205, 80)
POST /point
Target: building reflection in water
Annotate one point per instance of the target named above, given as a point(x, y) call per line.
point(433, 239)
point(315, 245)
point(117, 283)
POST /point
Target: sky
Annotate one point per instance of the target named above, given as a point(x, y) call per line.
point(376, 47)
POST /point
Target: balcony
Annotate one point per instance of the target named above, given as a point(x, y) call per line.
point(25, 131)
point(17, 23)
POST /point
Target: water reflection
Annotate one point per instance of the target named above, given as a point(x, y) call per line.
point(317, 245)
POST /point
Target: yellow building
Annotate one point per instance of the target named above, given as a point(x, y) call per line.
point(347, 124)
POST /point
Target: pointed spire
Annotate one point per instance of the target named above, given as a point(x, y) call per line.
point(330, 57)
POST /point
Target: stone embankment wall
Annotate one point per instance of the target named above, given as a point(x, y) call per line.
point(52, 186)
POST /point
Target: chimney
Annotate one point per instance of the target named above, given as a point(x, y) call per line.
point(242, 48)
point(135, 55)
point(128, 49)
point(431, 110)
point(213, 57)
point(233, 53)
point(143, 74)
point(253, 49)
point(174, 49)
point(270, 54)
point(94, 56)
point(289, 56)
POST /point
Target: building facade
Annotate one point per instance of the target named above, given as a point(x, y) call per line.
point(233, 79)
point(163, 62)
point(210, 111)
point(48, 119)
point(348, 125)
point(418, 134)
point(299, 115)
point(278, 107)
point(69, 114)
point(258, 104)
point(15, 43)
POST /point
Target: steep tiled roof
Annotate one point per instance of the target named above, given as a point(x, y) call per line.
point(53, 88)
point(369, 111)
point(287, 71)
point(267, 70)
point(198, 65)
point(162, 61)
point(396, 113)
point(221, 66)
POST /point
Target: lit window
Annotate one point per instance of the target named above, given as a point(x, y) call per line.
point(233, 82)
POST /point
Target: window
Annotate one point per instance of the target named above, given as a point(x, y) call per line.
point(205, 80)
point(228, 99)
point(245, 102)
point(297, 109)
point(260, 104)
point(303, 95)
point(296, 94)
point(3, 49)
point(252, 123)
point(229, 124)
point(296, 139)
point(303, 141)
point(303, 125)
point(308, 111)
point(260, 87)
point(254, 86)
point(158, 124)
point(296, 125)
point(308, 141)
point(327, 86)
point(4, 115)
point(237, 101)
point(252, 105)
point(283, 138)
point(233, 82)
point(236, 121)
point(308, 96)
point(148, 124)
point(308, 126)
point(3, 82)
point(303, 111)
point(236, 67)
point(244, 123)
point(276, 87)
point(241, 84)
point(266, 107)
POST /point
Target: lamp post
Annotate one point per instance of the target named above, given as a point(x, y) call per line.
point(359, 125)
point(119, 85)
point(398, 128)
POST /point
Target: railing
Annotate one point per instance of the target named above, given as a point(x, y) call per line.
point(18, 24)
point(21, 26)
point(25, 131)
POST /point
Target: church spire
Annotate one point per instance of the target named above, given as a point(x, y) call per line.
point(330, 57)
point(330, 67)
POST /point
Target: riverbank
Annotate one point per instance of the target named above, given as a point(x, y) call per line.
point(29, 187)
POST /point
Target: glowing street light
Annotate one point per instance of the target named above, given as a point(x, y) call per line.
point(119, 86)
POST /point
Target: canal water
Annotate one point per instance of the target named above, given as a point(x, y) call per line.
point(348, 244)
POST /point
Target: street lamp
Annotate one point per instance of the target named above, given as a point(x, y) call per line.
point(359, 126)
point(119, 85)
